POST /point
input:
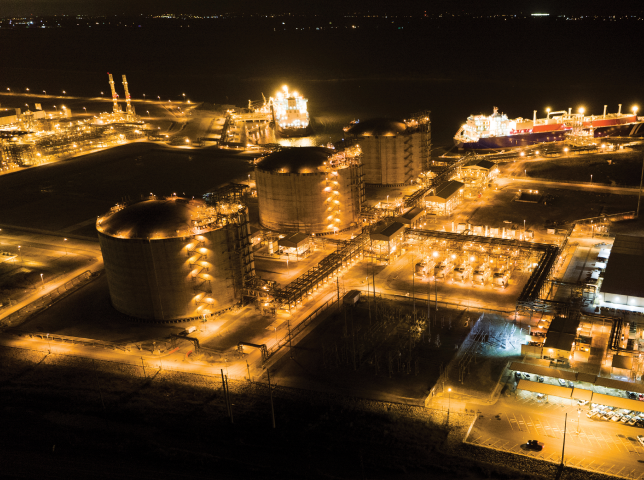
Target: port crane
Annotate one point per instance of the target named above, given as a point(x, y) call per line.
point(129, 109)
point(115, 97)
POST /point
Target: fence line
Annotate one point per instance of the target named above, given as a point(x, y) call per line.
point(47, 298)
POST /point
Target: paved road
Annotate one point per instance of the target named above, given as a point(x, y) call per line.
point(502, 182)
point(595, 445)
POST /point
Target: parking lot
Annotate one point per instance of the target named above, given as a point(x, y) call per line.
point(596, 445)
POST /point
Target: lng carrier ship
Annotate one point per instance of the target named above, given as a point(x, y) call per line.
point(497, 131)
point(290, 114)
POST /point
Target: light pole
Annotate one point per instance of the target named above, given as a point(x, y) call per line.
point(578, 418)
point(148, 112)
point(20, 253)
point(49, 343)
point(101, 94)
point(591, 178)
point(449, 403)
point(45, 92)
point(65, 240)
point(144, 96)
point(249, 180)
point(43, 281)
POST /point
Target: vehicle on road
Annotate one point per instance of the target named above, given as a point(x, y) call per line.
point(517, 376)
point(526, 376)
point(534, 445)
point(540, 379)
point(562, 382)
point(570, 384)
point(640, 438)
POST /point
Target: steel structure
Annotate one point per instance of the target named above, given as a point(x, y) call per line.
point(129, 109)
point(115, 98)
point(537, 287)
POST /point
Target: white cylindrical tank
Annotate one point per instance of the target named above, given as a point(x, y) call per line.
point(393, 152)
point(174, 259)
point(310, 189)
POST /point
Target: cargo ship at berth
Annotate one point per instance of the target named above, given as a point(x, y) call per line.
point(497, 131)
point(290, 114)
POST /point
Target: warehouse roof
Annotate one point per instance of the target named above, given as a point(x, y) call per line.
point(564, 325)
point(411, 215)
point(543, 371)
point(622, 361)
point(296, 160)
point(389, 232)
point(446, 190)
point(620, 384)
point(480, 164)
point(625, 266)
point(152, 218)
point(378, 127)
point(545, 388)
point(294, 240)
point(618, 402)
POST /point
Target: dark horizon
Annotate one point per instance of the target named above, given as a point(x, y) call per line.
point(327, 7)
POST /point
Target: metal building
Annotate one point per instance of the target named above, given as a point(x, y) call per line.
point(394, 152)
point(310, 189)
point(174, 259)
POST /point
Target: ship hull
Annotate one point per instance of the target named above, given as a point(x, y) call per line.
point(635, 130)
point(628, 130)
point(294, 132)
point(513, 141)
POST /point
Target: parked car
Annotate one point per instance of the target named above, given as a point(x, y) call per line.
point(625, 419)
point(570, 384)
point(540, 379)
point(592, 413)
point(517, 376)
point(631, 395)
point(562, 382)
point(616, 417)
point(607, 416)
point(641, 397)
point(526, 376)
point(534, 445)
point(632, 421)
point(640, 438)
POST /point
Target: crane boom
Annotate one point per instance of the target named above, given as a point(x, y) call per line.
point(129, 110)
point(115, 97)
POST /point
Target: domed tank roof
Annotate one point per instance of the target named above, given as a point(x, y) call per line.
point(159, 218)
point(296, 160)
point(379, 127)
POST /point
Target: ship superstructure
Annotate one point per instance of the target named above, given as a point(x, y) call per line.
point(290, 113)
point(496, 131)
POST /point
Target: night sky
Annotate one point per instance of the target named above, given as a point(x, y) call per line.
point(67, 7)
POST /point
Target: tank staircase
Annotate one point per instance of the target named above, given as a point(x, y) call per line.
point(198, 258)
point(240, 253)
point(333, 202)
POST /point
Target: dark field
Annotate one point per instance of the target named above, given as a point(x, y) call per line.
point(616, 169)
point(66, 417)
point(60, 195)
point(396, 355)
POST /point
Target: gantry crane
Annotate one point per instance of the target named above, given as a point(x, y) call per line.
point(115, 97)
point(129, 110)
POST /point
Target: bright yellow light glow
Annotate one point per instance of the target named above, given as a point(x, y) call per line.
point(582, 110)
point(635, 109)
